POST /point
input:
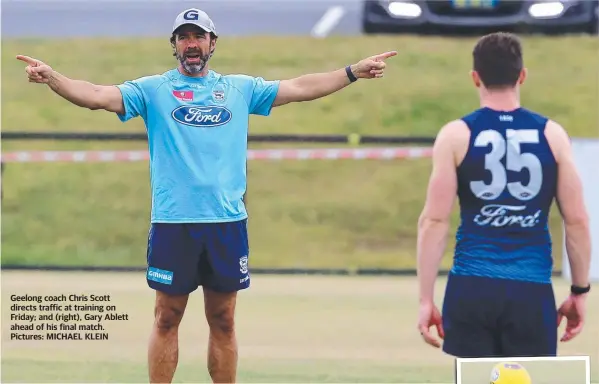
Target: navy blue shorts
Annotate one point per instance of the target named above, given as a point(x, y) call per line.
point(484, 317)
point(182, 257)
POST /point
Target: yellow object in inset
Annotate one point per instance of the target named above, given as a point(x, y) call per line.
point(510, 373)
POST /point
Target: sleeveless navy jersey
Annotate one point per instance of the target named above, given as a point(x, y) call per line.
point(506, 184)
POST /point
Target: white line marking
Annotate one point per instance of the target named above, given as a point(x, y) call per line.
point(328, 22)
point(586, 359)
point(516, 359)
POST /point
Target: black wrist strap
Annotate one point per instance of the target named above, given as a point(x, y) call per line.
point(350, 75)
point(575, 290)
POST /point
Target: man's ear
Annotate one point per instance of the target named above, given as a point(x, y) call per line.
point(475, 79)
point(213, 44)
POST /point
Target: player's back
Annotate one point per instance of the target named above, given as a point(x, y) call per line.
point(506, 185)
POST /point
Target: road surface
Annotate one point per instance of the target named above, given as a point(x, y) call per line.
point(154, 18)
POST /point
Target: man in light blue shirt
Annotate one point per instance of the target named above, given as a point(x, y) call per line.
point(197, 125)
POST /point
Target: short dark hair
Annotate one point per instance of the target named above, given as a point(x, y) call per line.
point(497, 58)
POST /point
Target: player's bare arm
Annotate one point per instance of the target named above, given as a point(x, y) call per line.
point(316, 85)
point(571, 204)
point(576, 223)
point(433, 224)
point(81, 93)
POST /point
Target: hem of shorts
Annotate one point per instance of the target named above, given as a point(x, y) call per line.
point(546, 282)
point(451, 352)
point(170, 291)
point(199, 220)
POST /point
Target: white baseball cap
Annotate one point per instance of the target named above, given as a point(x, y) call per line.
point(196, 17)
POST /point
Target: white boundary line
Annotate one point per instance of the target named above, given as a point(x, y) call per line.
point(507, 359)
point(586, 359)
point(328, 21)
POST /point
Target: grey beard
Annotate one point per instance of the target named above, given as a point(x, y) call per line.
point(194, 69)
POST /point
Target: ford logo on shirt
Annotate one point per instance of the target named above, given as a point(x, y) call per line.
point(211, 116)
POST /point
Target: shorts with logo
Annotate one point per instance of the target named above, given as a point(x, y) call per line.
point(486, 317)
point(182, 257)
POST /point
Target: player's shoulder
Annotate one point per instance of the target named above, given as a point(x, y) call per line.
point(557, 138)
point(473, 115)
point(241, 82)
point(241, 79)
point(552, 129)
point(477, 119)
point(453, 136)
point(152, 80)
point(237, 78)
point(161, 77)
point(533, 115)
point(454, 131)
point(244, 84)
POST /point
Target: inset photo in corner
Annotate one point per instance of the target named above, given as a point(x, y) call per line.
point(524, 370)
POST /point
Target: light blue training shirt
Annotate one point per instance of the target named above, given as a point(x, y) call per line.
point(197, 139)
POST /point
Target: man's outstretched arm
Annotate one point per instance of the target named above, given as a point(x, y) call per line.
point(317, 85)
point(81, 93)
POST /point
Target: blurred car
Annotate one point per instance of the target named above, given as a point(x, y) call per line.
point(380, 16)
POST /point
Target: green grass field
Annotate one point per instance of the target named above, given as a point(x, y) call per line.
point(291, 329)
point(303, 214)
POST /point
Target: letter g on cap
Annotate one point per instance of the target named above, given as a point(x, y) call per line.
point(191, 15)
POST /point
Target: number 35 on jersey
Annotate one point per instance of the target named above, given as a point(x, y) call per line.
point(515, 160)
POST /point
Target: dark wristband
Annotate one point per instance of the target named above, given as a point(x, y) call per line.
point(350, 75)
point(579, 290)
